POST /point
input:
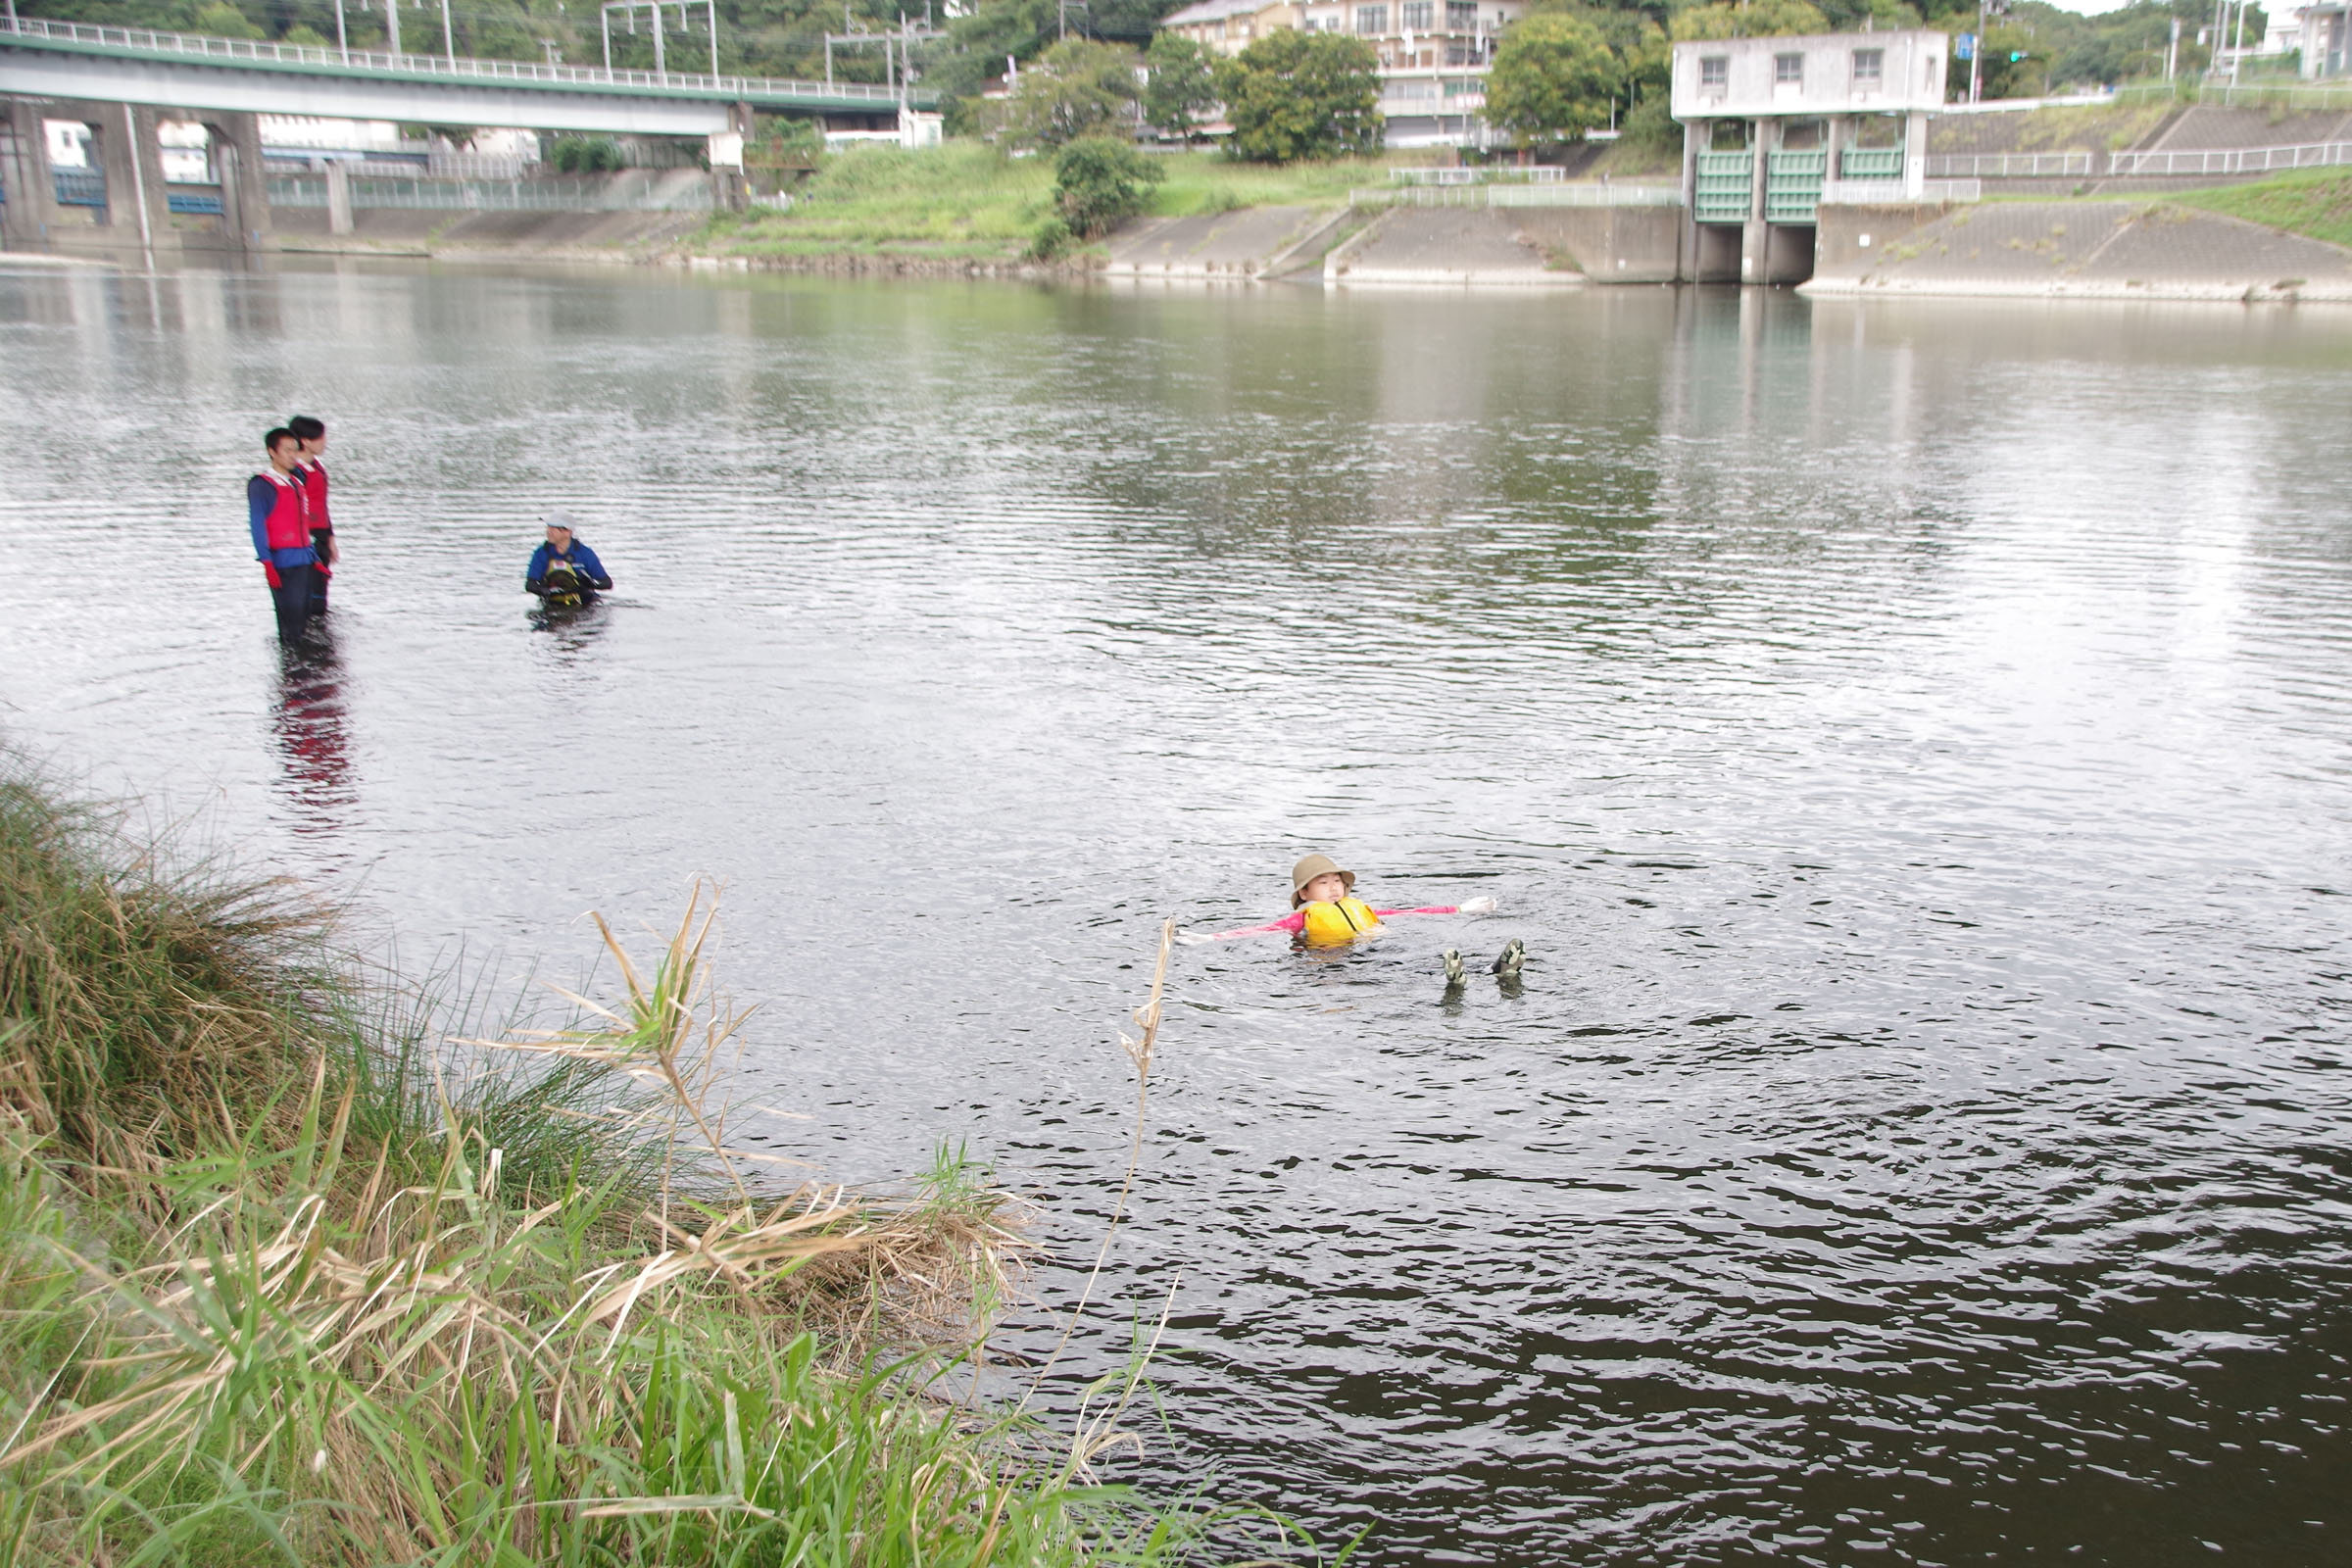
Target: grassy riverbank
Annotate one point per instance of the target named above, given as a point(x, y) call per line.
point(968, 202)
point(2313, 202)
point(279, 1284)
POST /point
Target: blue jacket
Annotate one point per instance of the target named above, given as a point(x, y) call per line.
point(260, 499)
point(581, 559)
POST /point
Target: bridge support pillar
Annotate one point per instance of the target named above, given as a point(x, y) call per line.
point(244, 181)
point(138, 206)
point(29, 219)
point(338, 196)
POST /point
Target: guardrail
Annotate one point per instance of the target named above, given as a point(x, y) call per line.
point(256, 51)
point(500, 196)
point(2233, 159)
point(2009, 165)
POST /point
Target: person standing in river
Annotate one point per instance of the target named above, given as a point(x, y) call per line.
point(311, 473)
point(564, 571)
point(278, 507)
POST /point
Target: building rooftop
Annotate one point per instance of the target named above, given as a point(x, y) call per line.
point(1215, 11)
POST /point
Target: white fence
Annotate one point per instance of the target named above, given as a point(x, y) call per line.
point(2009, 165)
point(2233, 159)
point(1544, 194)
point(638, 191)
point(1531, 173)
point(1881, 192)
point(217, 51)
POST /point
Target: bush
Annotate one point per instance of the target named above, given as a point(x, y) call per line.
point(1098, 183)
point(1052, 237)
point(586, 155)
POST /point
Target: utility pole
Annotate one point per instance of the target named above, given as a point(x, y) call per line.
point(392, 26)
point(1976, 59)
point(449, 34)
point(2172, 51)
point(342, 33)
point(2237, 53)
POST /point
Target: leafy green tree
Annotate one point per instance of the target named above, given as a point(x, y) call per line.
point(1293, 95)
point(1757, 19)
point(1553, 79)
point(1098, 183)
point(1077, 88)
point(1181, 88)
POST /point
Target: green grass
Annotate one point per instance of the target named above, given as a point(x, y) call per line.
point(968, 202)
point(2316, 202)
point(283, 1281)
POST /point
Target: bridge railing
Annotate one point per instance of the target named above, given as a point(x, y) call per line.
point(254, 51)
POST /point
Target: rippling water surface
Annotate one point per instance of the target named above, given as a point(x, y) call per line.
point(1911, 741)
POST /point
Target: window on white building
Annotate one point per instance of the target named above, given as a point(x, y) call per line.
point(1787, 69)
point(1461, 16)
point(1371, 20)
point(1714, 73)
point(1870, 66)
point(1419, 14)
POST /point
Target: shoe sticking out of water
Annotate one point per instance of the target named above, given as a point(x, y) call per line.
point(1508, 963)
point(1457, 976)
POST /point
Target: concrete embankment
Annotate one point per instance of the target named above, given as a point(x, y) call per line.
point(1234, 246)
point(410, 231)
point(2083, 249)
point(1449, 245)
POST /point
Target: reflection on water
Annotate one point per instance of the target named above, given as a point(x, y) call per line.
point(314, 746)
point(1909, 739)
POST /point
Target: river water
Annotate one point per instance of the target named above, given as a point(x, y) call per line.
point(1911, 740)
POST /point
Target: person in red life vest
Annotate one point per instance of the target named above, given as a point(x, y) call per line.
point(1326, 910)
point(312, 471)
point(280, 514)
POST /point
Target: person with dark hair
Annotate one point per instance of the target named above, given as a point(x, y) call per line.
point(312, 472)
point(564, 571)
point(278, 510)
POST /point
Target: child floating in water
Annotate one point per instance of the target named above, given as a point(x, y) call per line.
point(1327, 911)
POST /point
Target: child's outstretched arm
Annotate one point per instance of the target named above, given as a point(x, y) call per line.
point(1473, 906)
point(1292, 923)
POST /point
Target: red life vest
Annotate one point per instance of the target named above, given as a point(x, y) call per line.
point(289, 523)
point(314, 490)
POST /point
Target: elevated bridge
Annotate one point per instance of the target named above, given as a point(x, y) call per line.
point(124, 81)
point(41, 59)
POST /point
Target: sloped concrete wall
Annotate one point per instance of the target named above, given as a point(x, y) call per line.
point(1612, 244)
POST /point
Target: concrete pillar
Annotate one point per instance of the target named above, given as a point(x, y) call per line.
point(244, 181)
point(1833, 136)
point(1915, 155)
point(30, 217)
point(1696, 134)
point(1755, 238)
point(338, 196)
point(139, 207)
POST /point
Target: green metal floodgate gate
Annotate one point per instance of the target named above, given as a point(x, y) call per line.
point(1792, 185)
point(1871, 163)
point(1722, 196)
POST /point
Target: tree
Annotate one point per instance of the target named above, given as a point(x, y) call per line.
point(1182, 87)
point(1553, 79)
point(1099, 182)
point(1757, 19)
point(1077, 88)
point(1293, 95)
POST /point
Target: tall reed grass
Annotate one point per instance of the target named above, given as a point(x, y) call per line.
point(282, 1282)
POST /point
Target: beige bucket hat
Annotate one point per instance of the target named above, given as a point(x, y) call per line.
point(1313, 867)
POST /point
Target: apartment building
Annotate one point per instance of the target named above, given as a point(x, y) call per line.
point(1433, 54)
